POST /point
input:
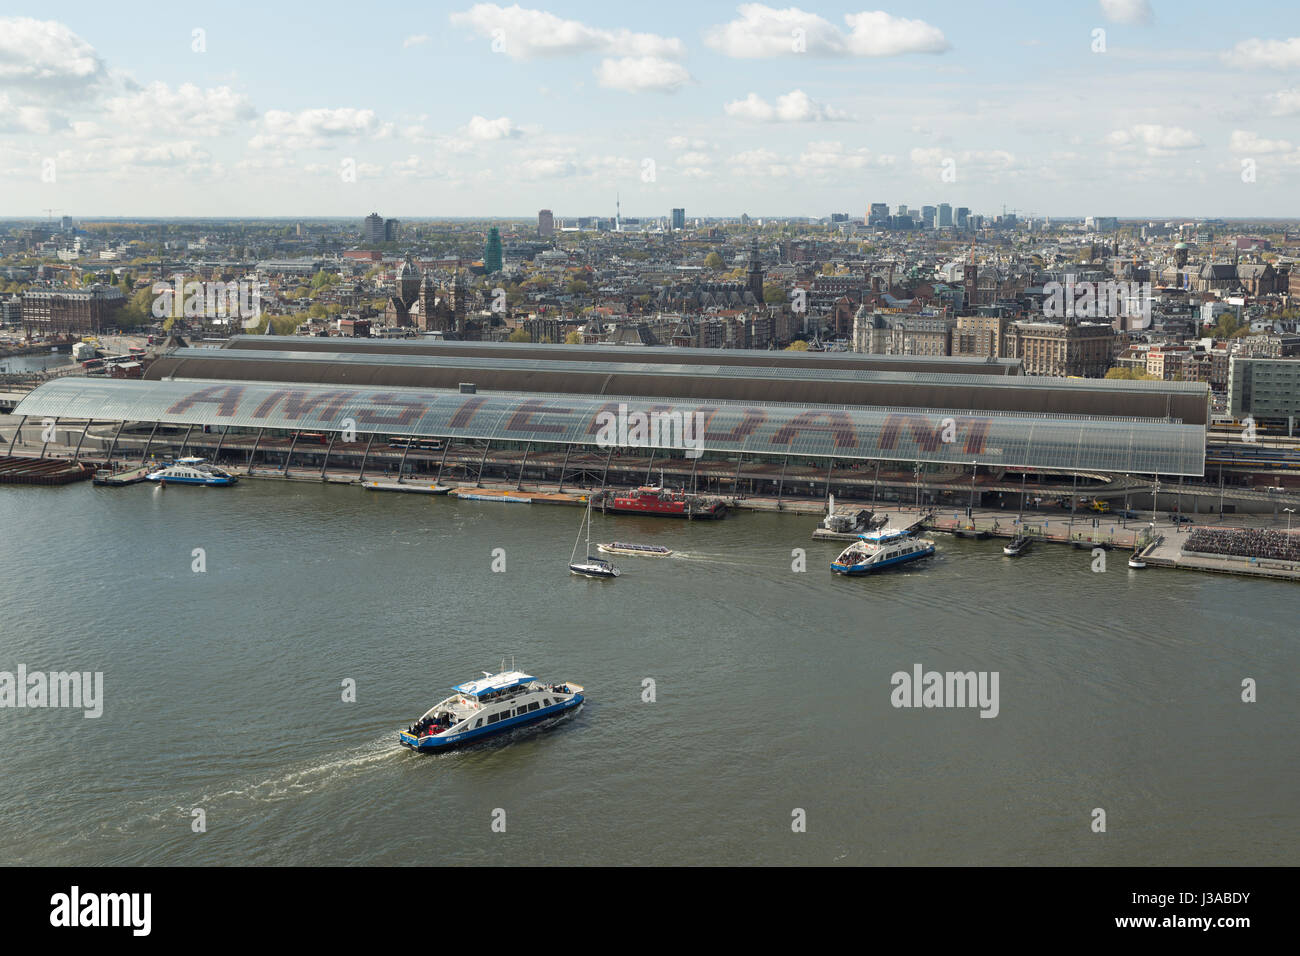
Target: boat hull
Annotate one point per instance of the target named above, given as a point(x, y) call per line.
point(855, 570)
point(430, 744)
point(635, 552)
point(205, 482)
point(664, 509)
point(594, 573)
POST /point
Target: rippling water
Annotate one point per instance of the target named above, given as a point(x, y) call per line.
point(223, 690)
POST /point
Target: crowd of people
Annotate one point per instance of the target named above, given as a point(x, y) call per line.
point(1246, 543)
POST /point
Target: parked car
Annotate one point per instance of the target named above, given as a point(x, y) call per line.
point(1180, 519)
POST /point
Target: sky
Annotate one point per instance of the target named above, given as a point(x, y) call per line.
point(1131, 108)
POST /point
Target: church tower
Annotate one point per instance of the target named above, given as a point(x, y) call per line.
point(755, 279)
point(408, 282)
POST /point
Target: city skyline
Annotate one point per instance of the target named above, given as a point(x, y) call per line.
point(492, 111)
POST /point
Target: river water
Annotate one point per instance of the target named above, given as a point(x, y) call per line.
point(223, 692)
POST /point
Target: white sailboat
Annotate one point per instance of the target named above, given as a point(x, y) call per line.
point(592, 567)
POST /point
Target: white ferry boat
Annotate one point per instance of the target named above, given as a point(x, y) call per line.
point(490, 705)
point(877, 550)
point(191, 471)
point(640, 550)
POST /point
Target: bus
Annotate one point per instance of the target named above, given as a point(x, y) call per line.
point(315, 438)
point(92, 363)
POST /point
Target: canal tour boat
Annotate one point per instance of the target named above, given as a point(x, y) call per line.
point(490, 705)
point(877, 550)
point(639, 550)
point(191, 471)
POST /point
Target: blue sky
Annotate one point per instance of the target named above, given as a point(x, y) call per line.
point(457, 108)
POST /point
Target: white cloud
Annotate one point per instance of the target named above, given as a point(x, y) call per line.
point(541, 167)
point(416, 40)
point(47, 59)
point(522, 34)
point(210, 112)
point(793, 107)
point(833, 155)
point(1242, 141)
point(482, 128)
point(695, 159)
point(639, 74)
point(1265, 54)
point(1284, 102)
point(762, 31)
point(28, 119)
point(685, 142)
point(968, 164)
point(1127, 11)
point(312, 128)
point(1156, 140)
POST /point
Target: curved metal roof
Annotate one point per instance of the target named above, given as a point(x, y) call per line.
point(1185, 401)
point(819, 431)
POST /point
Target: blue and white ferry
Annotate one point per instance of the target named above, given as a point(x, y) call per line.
point(191, 471)
point(490, 705)
point(877, 550)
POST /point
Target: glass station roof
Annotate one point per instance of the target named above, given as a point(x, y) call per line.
point(817, 431)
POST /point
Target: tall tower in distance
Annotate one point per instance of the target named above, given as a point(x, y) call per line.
point(618, 213)
point(492, 252)
point(545, 223)
point(755, 278)
point(679, 219)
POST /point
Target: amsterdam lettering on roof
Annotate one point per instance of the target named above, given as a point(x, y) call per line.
point(1104, 445)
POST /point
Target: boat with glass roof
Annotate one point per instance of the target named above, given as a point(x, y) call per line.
point(877, 550)
point(490, 705)
point(191, 471)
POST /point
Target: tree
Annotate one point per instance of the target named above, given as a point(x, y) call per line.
point(520, 335)
point(799, 345)
point(774, 293)
point(1130, 374)
point(713, 261)
point(573, 338)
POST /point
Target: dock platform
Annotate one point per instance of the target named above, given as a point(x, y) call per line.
point(119, 478)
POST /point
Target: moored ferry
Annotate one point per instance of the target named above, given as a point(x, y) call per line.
point(490, 705)
point(877, 550)
point(657, 500)
point(191, 471)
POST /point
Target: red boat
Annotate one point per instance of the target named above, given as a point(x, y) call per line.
point(655, 500)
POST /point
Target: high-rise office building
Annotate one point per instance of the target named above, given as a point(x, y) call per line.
point(963, 217)
point(902, 212)
point(391, 230)
point(878, 214)
point(679, 218)
point(492, 252)
point(927, 215)
point(373, 230)
point(545, 223)
point(943, 219)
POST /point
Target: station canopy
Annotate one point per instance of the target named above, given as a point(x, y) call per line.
point(1054, 442)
